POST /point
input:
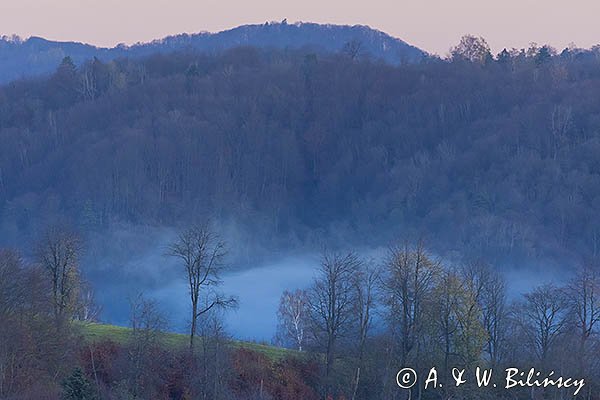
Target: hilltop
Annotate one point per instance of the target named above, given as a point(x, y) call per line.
point(37, 56)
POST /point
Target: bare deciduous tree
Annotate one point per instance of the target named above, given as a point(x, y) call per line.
point(493, 306)
point(202, 254)
point(293, 315)
point(58, 253)
point(87, 309)
point(365, 286)
point(331, 302)
point(544, 318)
point(584, 303)
point(147, 330)
point(410, 277)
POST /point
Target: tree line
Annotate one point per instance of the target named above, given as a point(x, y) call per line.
point(494, 154)
point(48, 313)
point(370, 319)
point(352, 330)
point(491, 154)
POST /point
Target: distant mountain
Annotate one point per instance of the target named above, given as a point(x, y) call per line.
point(37, 56)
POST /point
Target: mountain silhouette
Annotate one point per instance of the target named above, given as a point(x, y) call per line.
point(36, 56)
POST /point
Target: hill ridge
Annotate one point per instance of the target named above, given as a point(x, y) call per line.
point(34, 56)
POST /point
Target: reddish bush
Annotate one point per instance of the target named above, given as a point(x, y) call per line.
point(288, 379)
point(98, 360)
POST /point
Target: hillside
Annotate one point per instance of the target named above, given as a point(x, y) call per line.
point(98, 333)
point(481, 173)
point(37, 56)
point(498, 160)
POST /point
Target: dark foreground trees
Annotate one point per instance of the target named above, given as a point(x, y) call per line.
point(364, 321)
point(414, 310)
point(32, 355)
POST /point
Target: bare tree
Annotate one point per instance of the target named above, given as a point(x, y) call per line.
point(147, 330)
point(147, 323)
point(584, 303)
point(493, 306)
point(30, 348)
point(365, 286)
point(202, 254)
point(476, 280)
point(292, 316)
point(58, 253)
point(409, 277)
point(544, 318)
point(87, 309)
point(211, 379)
point(331, 302)
point(12, 295)
point(444, 307)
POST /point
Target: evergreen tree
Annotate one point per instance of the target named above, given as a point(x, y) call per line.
point(77, 387)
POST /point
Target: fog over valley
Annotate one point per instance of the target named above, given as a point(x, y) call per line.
point(298, 212)
point(134, 261)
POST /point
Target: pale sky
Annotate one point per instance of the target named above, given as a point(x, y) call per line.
point(433, 25)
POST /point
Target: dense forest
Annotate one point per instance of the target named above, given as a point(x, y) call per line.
point(489, 160)
point(34, 56)
point(483, 155)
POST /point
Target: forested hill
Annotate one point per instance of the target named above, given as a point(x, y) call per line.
point(36, 56)
point(499, 158)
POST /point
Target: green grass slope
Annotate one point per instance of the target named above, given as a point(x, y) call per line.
point(118, 334)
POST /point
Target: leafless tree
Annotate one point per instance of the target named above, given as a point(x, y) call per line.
point(584, 303)
point(30, 349)
point(365, 283)
point(12, 294)
point(331, 301)
point(443, 308)
point(544, 318)
point(211, 379)
point(58, 253)
point(202, 254)
point(87, 309)
point(293, 316)
point(494, 310)
point(408, 278)
point(147, 323)
point(410, 274)
point(147, 329)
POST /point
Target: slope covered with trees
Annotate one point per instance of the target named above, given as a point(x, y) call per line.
point(37, 56)
point(49, 351)
point(493, 156)
point(355, 329)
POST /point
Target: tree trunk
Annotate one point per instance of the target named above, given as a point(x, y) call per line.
point(193, 328)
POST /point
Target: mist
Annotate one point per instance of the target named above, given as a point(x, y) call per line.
point(134, 262)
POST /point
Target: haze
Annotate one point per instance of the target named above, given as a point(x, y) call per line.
point(433, 25)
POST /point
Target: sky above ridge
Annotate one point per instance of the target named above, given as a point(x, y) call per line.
point(432, 25)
